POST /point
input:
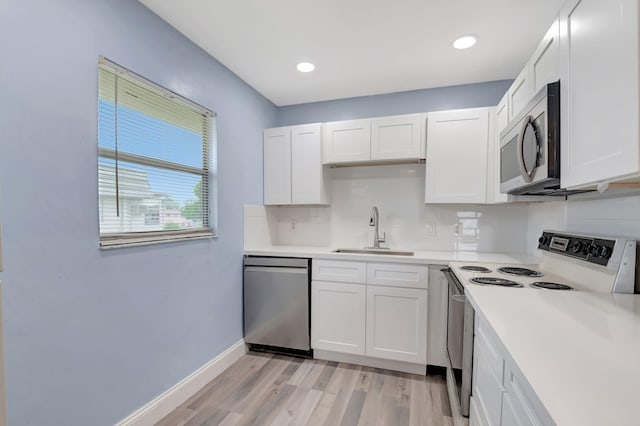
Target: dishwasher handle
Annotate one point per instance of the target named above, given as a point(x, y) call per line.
point(282, 262)
point(276, 269)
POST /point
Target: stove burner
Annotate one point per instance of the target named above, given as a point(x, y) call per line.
point(495, 281)
point(551, 286)
point(519, 271)
point(475, 268)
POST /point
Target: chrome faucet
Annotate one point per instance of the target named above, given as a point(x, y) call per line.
point(373, 221)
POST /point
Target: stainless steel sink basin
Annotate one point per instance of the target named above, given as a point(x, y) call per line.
point(374, 251)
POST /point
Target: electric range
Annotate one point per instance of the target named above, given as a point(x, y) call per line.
point(568, 262)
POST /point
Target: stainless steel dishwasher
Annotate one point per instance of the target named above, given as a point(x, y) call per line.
point(276, 304)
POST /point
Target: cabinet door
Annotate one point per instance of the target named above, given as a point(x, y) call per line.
point(520, 93)
point(397, 324)
point(545, 62)
point(456, 166)
point(502, 113)
point(487, 388)
point(599, 91)
point(338, 313)
point(493, 160)
point(437, 317)
point(398, 137)
point(308, 181)
point(277, 166)
point(346, 141)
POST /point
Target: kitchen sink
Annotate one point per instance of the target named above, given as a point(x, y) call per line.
point(374, 251)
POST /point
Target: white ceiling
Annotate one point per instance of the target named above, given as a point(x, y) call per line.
point(361, 47)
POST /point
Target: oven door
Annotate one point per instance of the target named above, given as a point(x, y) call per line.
point(460, 320)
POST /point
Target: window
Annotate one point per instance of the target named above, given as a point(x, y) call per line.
point(155, 162)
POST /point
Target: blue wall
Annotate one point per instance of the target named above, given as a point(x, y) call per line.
point(91, 335)
point(442, 98)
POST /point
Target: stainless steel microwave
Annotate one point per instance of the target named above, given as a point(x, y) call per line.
point(530, 147)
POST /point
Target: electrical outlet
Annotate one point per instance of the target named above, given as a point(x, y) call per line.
point(430, 229)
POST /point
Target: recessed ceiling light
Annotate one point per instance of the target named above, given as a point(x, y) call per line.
point(465, 41)
point(306, 67)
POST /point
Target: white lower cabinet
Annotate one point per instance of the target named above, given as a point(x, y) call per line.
point(500, 395)
point(387, 322)
point(338, 313)
point(396, 324)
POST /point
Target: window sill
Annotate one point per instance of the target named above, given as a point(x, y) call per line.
point(110, 243)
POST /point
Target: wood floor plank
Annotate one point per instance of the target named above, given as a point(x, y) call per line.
point(325, 376)
point(322, 410)
point(232, 419)
point(313, 375)
point(264, 389)
point(354, 408)
point(306, 408)
point(301, 372)
point(254, 392)
point(289, 410)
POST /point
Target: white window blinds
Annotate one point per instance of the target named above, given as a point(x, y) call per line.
point(154, 161)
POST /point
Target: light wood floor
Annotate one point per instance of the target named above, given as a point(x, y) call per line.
point(265, 389)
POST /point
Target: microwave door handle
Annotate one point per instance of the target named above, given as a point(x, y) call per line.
point(526, 174)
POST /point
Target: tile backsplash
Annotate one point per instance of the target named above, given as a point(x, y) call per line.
point(619, 216)
point(398, 192)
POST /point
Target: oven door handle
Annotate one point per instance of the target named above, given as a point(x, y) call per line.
point(459, 298)
point(452, 279)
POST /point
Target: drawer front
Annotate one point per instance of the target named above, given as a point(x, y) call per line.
point(339, 271)
point(475, 415)
point(397, 275)
point(524, 404)
point(487, 389)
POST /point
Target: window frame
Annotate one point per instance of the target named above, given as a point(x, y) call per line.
point(137, 238)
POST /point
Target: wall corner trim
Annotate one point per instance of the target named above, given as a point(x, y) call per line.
point(155, 410)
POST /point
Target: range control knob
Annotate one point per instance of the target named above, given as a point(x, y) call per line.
point(604, 251)
point(593, 250)
point(577, 247)
point(544, 240)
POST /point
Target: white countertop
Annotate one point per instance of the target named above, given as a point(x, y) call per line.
point(425, 257)
point(579, 351)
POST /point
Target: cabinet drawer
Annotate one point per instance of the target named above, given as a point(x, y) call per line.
point(524, 403)
point(493, 360)
point(339, 270)
point(395, 275)
point(487, 389)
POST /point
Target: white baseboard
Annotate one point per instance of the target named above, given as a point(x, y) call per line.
point(162, 405)
point(406, 367)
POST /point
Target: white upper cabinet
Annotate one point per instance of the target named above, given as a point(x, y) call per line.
point(277, 166)
point(494, 195)
point(520, 93)
point(398, 137)
point(393, 138)
point(456, 166)
point(293, 170)
point(308, 180)
point(599, 92)
point(502, 114)
point(346, 141)
point(545, 62)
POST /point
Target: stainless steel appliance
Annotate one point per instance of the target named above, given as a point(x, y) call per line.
point(569, 262)
point(530, 147)
point(276, 304)
point(460, 340)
